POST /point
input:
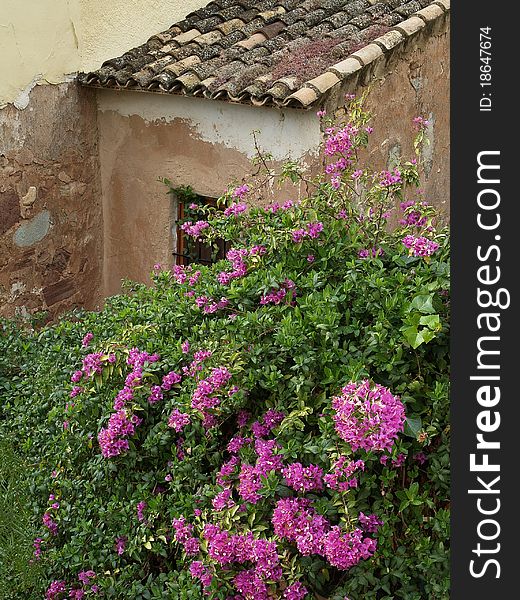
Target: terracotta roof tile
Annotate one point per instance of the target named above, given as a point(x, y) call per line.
point(264, 52)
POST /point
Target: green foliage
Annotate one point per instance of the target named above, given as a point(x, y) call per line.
point(18, 576)
point(383, 318)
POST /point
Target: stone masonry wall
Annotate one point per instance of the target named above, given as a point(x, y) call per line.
point(50, 206)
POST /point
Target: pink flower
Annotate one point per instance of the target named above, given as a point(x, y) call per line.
point(185, 347)
point(87, 339)
point(235, 209)
point(241, 191)
point(178, 420)
point(120, 544)
point(388, 178)
point(141, 507)
point(303, 479)
point(420, 246)
point(420, 123)
point(368, 417)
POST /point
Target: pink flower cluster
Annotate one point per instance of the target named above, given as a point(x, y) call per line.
point(368, 417)
point(420, 246)
point(389, 178)
point(113, 440)
point(344, 550)
point(303, 479)
point(209, 305)
point(184, 535)
point(240, 191)
point(120, 544)
point(249, 484)
point(237, 257)
point(420, 123)
point(237, 442)
point(169, 380)
point(37, 545)
point(313, 231)
point(223, 500)
point(341, 478)
point(55, 589)
point(227, 549)
point(295, 520)
point(296, 591)
point(141, 507)
point(226, 471)
point(49, 523)
point(199, 571)
point(87, 339)
point(235, 209)
point(196, 365)
point(92, 365)
point(413, 218)
point(373, 252)
point(267, 460)
point(271, 419)
point(206, 394)
point(194, 229)
point(369, 523)
point(339, 142)
point(178, 420)
point(58, 588)
point(276, 296)
point(86, 576)
point(275, 206)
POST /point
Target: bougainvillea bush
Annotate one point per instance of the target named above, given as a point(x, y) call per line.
point(274, 425)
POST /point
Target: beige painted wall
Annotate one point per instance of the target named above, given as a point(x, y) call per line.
point(46, 41)
point(111, 27)
point(38, 44)
point(202, 143)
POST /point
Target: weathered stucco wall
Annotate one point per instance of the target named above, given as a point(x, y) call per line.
point(412, 79)
point(202, 143)
point(50, 203)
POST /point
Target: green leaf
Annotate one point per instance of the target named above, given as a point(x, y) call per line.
point(431, 321)
point(412, 426)
point(423, 303)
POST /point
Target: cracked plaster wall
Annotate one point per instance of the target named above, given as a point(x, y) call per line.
point(50, 206)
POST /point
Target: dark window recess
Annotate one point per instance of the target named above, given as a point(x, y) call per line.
point(193, 251)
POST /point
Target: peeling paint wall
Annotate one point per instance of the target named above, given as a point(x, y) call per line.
point(50, 205)
point(202, 143)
